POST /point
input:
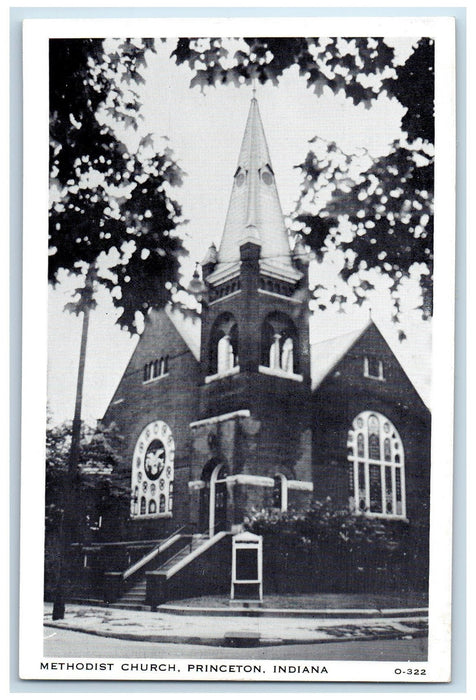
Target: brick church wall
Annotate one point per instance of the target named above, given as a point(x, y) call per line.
point(172, 398)
point(342, 396)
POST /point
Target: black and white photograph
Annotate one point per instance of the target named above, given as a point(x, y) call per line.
point(243, 415)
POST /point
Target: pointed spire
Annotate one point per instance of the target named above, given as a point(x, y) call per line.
point(254, 213)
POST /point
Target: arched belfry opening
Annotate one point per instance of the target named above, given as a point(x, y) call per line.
point(279, 343)
point(223, 345)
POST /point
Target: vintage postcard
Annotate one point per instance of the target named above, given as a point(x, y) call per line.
point(238, 349)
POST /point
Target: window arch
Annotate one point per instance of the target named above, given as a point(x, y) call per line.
point(279, 344)
point(223, 345)
point(376, 466)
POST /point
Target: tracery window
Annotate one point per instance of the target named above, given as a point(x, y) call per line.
point(153, 472)
point(376, 466)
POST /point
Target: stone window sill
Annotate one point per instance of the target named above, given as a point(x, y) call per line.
point(275, 372)
point(221, 375)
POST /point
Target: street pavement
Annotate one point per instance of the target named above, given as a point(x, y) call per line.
point(218, 628)
point(66, 644)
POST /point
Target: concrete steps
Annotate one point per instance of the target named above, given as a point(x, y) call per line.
point(134, 598)
point(195, 543)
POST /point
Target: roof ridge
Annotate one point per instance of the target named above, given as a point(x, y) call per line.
point(341, 335)
point(183, 330)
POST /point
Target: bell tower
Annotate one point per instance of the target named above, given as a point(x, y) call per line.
point(254, 274)
point(255, 360)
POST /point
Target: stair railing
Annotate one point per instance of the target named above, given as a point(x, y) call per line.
point(205, 535)
point(160, 547)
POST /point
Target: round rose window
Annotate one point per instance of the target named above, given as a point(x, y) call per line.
point(154, 461)
point(153, 471)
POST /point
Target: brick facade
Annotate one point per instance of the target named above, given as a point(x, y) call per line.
point(343, 395)
point(240, 421)
point(172, 398)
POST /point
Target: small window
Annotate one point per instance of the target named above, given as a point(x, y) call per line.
point(240, 178)
point(155, 369)
point(267, 177)
point(373, 368)
point(171, 496)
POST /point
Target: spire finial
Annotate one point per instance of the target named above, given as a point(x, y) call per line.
point(370, 313)
point(253, 89)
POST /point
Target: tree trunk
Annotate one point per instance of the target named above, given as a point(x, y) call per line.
point(67, 528)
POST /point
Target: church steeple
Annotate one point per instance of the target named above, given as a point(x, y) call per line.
point(252, 323)
point(254, 212)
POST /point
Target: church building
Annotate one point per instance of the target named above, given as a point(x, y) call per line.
point(236, 411)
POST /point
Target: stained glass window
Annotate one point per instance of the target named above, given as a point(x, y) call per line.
point(376, 469)
point(152, 471)
point(360, 445)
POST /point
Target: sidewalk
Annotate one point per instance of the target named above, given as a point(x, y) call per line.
point(221, 626)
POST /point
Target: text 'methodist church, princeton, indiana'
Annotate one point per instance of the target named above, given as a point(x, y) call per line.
point(237, 412)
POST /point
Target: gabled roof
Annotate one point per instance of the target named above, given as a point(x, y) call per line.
point(326, 354)
point(254, 213)
point(188, 328)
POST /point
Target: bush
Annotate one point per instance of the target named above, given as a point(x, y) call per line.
point(328, 546)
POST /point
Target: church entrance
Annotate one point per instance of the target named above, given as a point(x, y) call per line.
point(213, 498)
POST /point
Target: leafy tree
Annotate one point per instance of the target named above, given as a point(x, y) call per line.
point(112, 219)
point(99, 488)
point(111, 212)
point(379, 211)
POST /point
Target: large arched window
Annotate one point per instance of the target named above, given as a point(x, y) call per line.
point(153, 472)
point(223, 345)
point(376, 466)
point(279, 344)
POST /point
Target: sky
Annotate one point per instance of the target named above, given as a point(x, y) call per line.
point(205, 131)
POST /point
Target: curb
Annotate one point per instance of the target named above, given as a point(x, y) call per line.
point(346, 613)
point(237, 640)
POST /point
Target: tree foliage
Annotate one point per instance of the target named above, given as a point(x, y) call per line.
point(111, 209)
point(99, 484)
point(378, 211)
point(337, 63)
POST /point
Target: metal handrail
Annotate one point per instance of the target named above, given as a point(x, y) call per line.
point(132, 543)
point(204, 534)
point(150, 555)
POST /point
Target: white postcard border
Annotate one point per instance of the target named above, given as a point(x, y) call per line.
point(36, 35)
